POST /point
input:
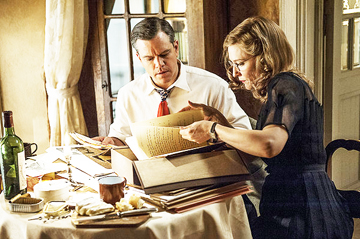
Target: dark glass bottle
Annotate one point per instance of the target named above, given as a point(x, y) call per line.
point(12, 159)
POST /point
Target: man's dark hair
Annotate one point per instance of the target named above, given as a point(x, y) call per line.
point(148, 28)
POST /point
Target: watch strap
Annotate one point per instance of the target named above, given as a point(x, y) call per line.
point(213, 134)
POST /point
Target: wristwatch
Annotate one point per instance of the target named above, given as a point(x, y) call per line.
point(213, 134)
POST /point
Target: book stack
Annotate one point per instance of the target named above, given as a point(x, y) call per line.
point(186, 199)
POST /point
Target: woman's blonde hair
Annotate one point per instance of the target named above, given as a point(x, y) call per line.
point(263, 39)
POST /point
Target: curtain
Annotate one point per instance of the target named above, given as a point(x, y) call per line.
point(66, 32)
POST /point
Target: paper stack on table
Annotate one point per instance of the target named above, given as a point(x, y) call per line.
point(83, 169)
point(86, 141)
point(186, 199)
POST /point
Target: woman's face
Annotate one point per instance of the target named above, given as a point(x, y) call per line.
point(244, 65)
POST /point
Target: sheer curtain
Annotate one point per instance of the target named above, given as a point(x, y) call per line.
point(66, 32)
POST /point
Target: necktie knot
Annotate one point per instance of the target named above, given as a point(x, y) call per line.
point(164, 94)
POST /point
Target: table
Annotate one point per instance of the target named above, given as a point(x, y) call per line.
point(225, 219)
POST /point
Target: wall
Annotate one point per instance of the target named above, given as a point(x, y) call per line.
point(22, 37)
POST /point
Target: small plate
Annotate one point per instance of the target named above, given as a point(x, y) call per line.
point(26, 204)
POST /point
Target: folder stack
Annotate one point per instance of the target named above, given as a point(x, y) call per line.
point(186, 199)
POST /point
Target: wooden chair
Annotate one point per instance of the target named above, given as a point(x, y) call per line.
point(348, 144)
point(352, 196)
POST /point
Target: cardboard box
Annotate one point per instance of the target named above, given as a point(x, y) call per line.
point(191, 170)
point(122, 164)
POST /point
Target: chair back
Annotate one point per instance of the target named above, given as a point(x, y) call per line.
point(348, 144)
point(352, 197)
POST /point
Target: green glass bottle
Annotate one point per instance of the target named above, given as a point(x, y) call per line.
point(12, 160)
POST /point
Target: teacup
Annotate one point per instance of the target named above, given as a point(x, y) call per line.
point(112, 188)
point(28, 151)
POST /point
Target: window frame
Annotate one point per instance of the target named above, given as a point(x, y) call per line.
point(350, 15)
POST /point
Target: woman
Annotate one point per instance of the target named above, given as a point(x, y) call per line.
point(298, 198)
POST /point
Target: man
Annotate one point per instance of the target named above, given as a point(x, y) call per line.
point(156, 48)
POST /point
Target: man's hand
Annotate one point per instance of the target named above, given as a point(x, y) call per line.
point(210, 113)
point(108, 140)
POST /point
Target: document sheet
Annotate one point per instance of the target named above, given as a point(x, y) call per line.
point(161, 135)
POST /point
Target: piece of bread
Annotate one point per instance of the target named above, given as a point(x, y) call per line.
point(84, 202)
point(100, 209)
point(123, 205)
point(84, 209)
point(136, 201)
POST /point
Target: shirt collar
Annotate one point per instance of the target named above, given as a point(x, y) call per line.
point(182, 81)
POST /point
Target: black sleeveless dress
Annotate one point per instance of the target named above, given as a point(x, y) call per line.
point(298, 198)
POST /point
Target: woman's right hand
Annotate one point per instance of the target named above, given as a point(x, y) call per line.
point(197, 132)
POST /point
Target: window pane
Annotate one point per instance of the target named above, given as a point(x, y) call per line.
point(356, 42)
point(180, 28)
point(346, 5)
point(113, 7)
point(138, 68)
point(117, 51)
point(344, 45)
point(350, 5)
point(174, 6)
point(113, 107)
point(144, 6)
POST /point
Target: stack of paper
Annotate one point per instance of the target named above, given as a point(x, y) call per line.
point(186, 199)
point(86, 141)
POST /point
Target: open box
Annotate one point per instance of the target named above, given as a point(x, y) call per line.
point(122, 164)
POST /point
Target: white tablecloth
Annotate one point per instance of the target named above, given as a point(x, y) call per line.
point(226, 220)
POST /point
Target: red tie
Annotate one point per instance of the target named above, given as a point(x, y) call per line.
point(163, 107)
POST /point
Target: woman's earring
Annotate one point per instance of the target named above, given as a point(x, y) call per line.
point(266, 68)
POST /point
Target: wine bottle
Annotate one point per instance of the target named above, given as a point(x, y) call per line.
point(12, 159)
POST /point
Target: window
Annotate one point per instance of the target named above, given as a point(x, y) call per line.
point(350, 43)
point(119, 18)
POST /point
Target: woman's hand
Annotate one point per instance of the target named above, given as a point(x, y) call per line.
point(197, 132)
point(210, 113)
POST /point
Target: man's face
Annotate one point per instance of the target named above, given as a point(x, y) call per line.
point(159, 58)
